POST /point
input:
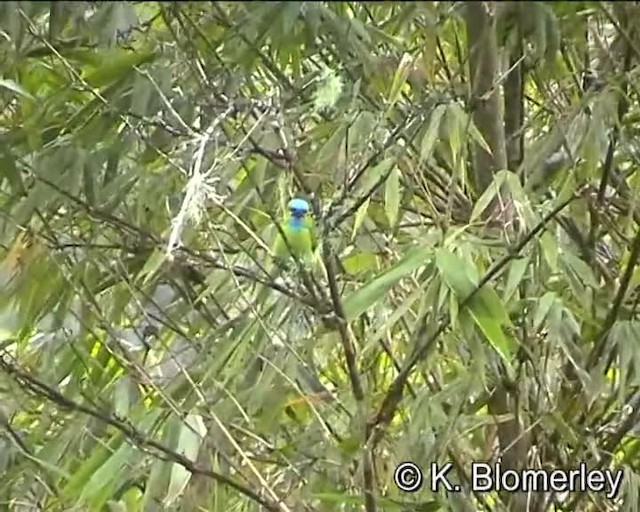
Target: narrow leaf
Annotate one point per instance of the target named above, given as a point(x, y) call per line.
point(452, 269)
point(12, 86)
point(487, 196)
point(430, 136)
point(392, 196)
point(190, 437)
point(517, 269)
point(363, 298)
point(361, 213)
point(399, 79)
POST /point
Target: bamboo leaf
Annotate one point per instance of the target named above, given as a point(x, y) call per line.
point(392, 196)
point(363, 298)
point(190, 436)
point(430, 136)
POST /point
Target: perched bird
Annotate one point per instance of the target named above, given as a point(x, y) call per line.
point(287, 319)
point(295, 239)
point(298, 229)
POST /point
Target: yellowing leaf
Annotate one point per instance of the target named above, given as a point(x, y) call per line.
point(115, 65)
point(399, 79)
point(361, 213)
point(360, 262)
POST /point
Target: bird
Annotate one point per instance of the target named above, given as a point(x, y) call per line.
point(295, 240)
point(299, 240)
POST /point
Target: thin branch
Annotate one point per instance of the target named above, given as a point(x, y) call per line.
point(135, 436)
point(394, 394)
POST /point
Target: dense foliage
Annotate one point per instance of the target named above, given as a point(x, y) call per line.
point(471, 169)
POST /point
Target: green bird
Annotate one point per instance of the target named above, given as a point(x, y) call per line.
point(299, 242)
point(298, 229)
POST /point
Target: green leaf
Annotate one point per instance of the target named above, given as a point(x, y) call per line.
point(329, 90)
point(58, 18)
point(392, 196)
point(141, 95)
point(554, 422)
point(430, 136)
point(517, 269)
point(398, 313)
point(190, 436)
point(116, 506)
point(542, 309)
point(102, 483)
point(455, 130)
point(10, 171)
point(363, 298)
point(374, 174)
point(549, 250)
point(151, 266)
point(580, 269)
point(485, 307)
point(477, 136)
point(454, 273)
point(289, 16)
point(82, 474)
point(116, 64)
point(89, 173)
point(158, 480)
point(122, 397)
point(489, 314)
point(327, 156)
point(487, 196)
point(361, 131)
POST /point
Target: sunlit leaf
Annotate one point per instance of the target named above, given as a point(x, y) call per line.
point(189, 439)
point(12, 86)
point(488, 195)
point(399, 79)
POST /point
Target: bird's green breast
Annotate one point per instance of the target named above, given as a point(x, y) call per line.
point(299, 239)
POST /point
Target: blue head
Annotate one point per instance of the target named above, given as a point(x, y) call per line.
point(298, 208)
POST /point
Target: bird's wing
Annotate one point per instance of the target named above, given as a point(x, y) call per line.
point(311, 227)
point(279, 245)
